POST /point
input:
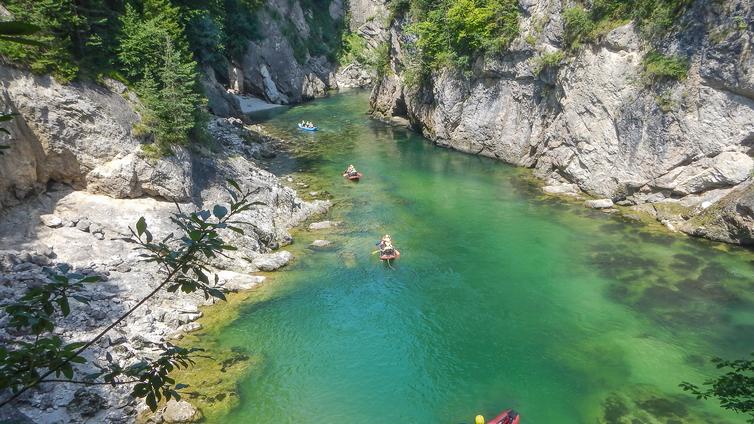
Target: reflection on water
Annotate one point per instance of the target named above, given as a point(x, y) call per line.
point(502, 297)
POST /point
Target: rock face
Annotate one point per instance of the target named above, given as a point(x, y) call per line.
point(70, 187)
point(280, 67)
point(597, 121)
point(80, 134)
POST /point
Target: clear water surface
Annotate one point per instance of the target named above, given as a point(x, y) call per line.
point(502, 297)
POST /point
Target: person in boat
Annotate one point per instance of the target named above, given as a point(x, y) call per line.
point(351, 170)
point(387, 249)
point(385, 239)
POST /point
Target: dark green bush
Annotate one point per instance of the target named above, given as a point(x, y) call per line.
point(153, 45)
point(452, 33)
point(654, 17)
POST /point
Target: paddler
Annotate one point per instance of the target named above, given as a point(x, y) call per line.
point(351, 170)
point(385, 239)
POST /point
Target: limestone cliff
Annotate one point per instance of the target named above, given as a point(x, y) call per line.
point(594, 120)
point(292, 59)
point(75, 178)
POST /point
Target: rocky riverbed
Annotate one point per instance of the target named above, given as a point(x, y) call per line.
point(73, 182)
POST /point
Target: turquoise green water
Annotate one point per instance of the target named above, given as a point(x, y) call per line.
point(502, 298)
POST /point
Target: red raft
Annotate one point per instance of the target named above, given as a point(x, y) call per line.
point(353, 177)
point(395, 255)
point(508, 416)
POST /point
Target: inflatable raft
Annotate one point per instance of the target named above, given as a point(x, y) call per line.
point(395, 255)
point(301, 127)
point(353, 177)
point(508, 416)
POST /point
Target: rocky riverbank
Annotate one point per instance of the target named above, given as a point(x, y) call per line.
point(594, 121)
point(74, 180)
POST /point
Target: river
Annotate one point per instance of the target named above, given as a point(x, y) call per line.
point(502, 297)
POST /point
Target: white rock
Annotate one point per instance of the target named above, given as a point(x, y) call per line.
point(236, 281)
point(724, 170)
point(272, 261)
point(180, 412)
point(321, 243)
point(567, 189)
point(323, 225)
point(599, 204)
point(52, 221)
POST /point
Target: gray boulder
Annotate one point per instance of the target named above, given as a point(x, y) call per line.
point(179, 412)
point(51, 221)
point(599, 204)
point(272, 261)
point(321, 243)
point(86, 403)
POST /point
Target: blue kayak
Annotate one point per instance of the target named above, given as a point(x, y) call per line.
point(301, 127)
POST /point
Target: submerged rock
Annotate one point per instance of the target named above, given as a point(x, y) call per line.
point(324, 225)
point(599, 204)
point(321, 243)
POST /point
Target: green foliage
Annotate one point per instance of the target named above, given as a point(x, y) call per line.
point(23, 360)
point(355, 50)
point(578, 26)
point(658, 66)
point(654, 17)
point(452, 33)
point(154, 52)
point(547, 60)
point(35, 354)
point(325, 33)
point(382, 59)
point(154, 43)
point(734, 389)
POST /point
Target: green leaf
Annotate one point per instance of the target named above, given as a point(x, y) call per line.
point(195, 235)
point(234, 184)
point(151, 402)
point(219, 211)
point(82, 299)
point(91, 279)
point(236, 229)
point(67, 371)
point(65, 308)
point(141, 226)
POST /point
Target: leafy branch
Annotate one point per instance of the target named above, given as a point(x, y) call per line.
point(184, 261)
point(734, 389)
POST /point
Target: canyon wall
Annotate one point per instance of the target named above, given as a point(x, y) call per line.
point(595, 122)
